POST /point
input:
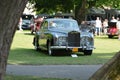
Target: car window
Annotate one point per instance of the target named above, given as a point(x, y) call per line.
point(60, 24)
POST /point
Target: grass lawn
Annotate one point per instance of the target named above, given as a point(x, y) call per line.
point(13, 77)
point(22, 52)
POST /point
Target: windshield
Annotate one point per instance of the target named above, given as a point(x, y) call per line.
point(26, 21)
point(61, 24)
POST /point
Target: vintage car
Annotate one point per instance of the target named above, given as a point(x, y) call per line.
point(63, 34)
point(112, 30)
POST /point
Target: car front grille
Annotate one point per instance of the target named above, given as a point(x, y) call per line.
point(74, 39)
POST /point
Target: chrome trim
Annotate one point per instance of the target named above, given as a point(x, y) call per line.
point(68, 47)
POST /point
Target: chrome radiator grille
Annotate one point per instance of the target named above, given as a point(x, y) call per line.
point(74, 39)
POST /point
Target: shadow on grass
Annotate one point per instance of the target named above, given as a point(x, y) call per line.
point(20, 77)
point(26, 33)
point(57, 53)
point(43, 53)
point(104, 56)
point(31, 56)
point(105, 37)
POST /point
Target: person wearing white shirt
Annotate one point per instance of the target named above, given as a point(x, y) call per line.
point(113, 19)
point(98, 25)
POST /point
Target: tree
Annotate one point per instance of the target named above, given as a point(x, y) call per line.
point(79, 6)
point(109, 71)
point(11, 11)
point(80, 11)
point(51, 6)
point(110, 3)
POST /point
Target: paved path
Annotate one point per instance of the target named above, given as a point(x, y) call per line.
point(74, 72)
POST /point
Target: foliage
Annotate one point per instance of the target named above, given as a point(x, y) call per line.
point(78, 7)
point(50, 6)
point(110, 3)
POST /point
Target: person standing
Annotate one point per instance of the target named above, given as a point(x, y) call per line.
point(38, 22)
point(20, 24)
point(113, 19)
point(105, 25)
point(118, 28)
point(98, 25)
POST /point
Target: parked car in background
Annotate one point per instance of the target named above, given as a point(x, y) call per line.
point(60, 33)
point(26, 21)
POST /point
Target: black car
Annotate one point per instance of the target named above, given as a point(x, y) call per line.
point(58, 33)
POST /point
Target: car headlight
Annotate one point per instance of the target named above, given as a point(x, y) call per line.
point(61, 41)
point(87, 41)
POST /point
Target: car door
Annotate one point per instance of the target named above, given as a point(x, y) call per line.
point(42, 37)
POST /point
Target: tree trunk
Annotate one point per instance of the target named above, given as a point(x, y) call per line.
point(10, 12)
point(109, 71)
point(80, 14)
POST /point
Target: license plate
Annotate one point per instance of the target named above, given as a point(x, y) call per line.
point(75, 50)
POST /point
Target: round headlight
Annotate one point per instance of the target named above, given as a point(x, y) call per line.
point(62, 40)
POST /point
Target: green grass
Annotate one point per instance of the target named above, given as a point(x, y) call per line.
point(13, 77)
point(22, 52)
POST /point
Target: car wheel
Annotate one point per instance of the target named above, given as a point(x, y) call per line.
point(36, 45)
point(49, 50)
point(87, 52)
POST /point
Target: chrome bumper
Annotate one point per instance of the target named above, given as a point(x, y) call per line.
point(69, 47)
